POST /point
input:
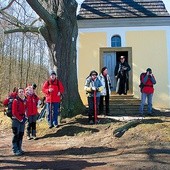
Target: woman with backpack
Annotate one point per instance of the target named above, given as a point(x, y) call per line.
point(32, 112)
point(19, 106)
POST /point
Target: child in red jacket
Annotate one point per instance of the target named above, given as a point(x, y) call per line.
point(32, 111)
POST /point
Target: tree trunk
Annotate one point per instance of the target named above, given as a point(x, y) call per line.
point(63, 53)
point(60, 32)
point(28, 63)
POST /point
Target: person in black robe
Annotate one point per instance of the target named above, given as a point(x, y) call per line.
point(121, 73)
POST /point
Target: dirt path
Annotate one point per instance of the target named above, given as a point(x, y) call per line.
point(76, 145)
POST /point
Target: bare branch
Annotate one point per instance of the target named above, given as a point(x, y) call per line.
point(12, 19)
point(15, 22)
point(33, 22)
point(7, 5)
point(24, 30)
point(42, 12)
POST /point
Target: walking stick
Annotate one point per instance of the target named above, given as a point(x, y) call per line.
point(50, 110)
point(60, 109)
point(95, 108)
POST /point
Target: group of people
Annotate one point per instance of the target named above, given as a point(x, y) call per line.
point(24, 109)
point(98, 88)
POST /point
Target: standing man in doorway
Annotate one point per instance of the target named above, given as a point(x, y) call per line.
point(121, 73)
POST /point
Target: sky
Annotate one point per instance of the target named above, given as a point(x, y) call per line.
point(166, 2)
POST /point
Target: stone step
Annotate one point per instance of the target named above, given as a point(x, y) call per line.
point(129, 96)
point(125, 102)
point(121, 103)
point(125, 105)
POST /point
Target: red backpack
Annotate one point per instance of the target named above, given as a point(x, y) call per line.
point(141, 85)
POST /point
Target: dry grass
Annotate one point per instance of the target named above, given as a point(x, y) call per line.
point(145, 145)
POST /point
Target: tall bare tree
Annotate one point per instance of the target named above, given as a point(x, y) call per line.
point(59, 29)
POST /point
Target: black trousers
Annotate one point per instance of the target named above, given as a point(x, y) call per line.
point(31, 127)
point(91, 107)
point(101, 104)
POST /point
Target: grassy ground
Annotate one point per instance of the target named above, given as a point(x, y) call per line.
point(145, 144)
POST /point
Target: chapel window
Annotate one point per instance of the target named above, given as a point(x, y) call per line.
point(116, 41)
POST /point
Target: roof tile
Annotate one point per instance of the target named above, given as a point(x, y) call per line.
point(102, 9)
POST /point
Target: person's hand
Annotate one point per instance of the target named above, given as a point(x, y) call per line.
point(148, 73)
point(58, 94)
point(93, 88)
point(24, 120)
point(10, 100)
point(50, 89)
point(39, 103)
point(124, 68)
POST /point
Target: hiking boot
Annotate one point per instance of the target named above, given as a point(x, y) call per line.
point(150, 114)
point(141, 115)
point(34, 137)
point(28, 137)
point(91, 122)
point(56, 126)
point(22, 152)
point(108, 114)
point(17, 153)
point(51, 126)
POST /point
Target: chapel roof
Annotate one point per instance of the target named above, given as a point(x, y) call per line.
point(104, 9)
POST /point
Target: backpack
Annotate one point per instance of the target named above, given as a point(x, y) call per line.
point(9, 107)
point(141, 85)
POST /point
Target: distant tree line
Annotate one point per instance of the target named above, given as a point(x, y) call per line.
point(23, 60)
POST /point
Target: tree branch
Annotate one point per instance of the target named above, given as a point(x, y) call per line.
point(42, 12)
point(33, 22)
point(24, 30)
point(12, 19)
point(7, 5)
point(21, 27)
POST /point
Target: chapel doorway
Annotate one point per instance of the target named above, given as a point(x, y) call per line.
point(109, 58)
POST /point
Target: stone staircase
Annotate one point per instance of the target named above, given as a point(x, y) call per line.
point(124, 105)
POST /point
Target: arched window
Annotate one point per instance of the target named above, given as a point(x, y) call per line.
point(116, 41)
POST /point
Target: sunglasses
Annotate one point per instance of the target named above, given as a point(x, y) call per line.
point(122, 58)
point(94, 74)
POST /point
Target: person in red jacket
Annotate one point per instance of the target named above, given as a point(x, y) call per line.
point(32, 111)
point(19, 106)
point(147, 82)
point(53, 89)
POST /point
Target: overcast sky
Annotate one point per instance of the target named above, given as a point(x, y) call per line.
point(166, 2)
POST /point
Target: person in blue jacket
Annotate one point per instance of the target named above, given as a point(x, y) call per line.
point(93, 87)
